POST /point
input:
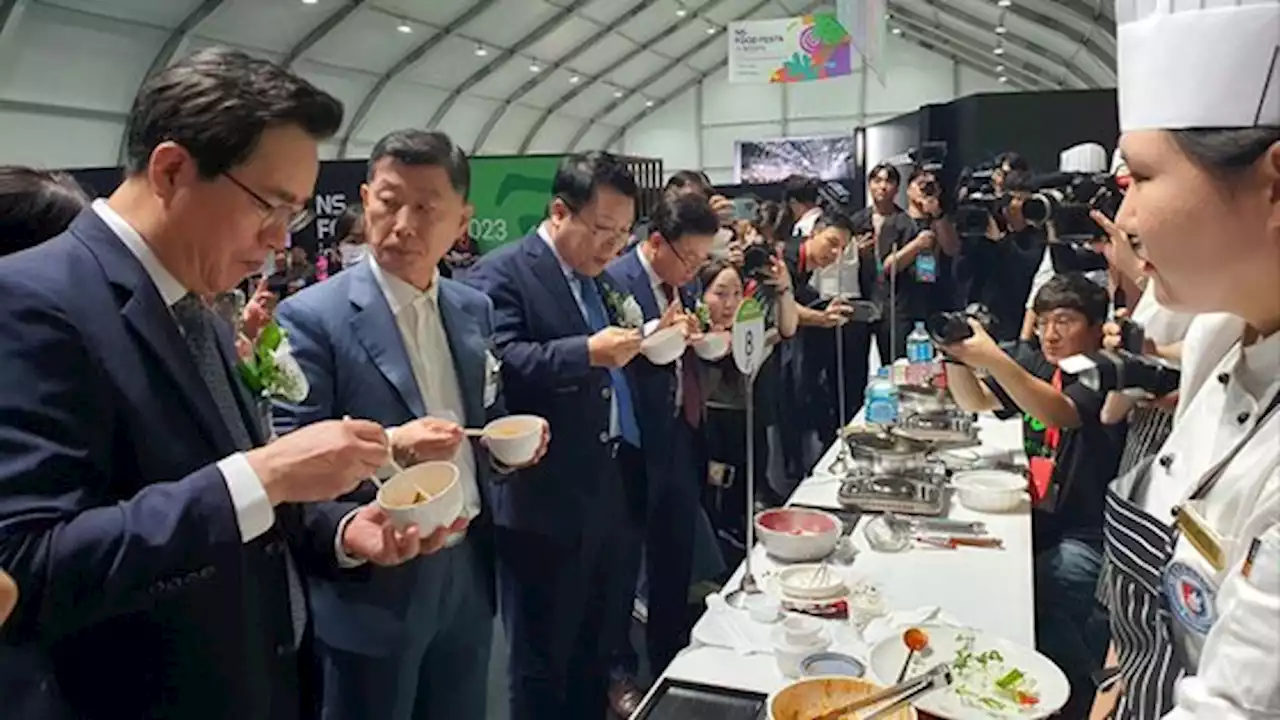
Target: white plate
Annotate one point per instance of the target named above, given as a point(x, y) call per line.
point(888, 655)
point(813, 582)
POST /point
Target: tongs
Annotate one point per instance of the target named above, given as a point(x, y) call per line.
point(898, 695)
point(937, 525)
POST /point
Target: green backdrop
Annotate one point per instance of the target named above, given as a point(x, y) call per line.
point(510, 195)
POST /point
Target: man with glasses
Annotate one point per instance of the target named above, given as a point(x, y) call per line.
point(158, 542)
point(566, 332)
point(1073, 456)
point(659, 273)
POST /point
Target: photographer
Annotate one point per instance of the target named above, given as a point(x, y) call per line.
point(800, 197)
point(916, 253)
point(1005, 258)
point(1072, 456)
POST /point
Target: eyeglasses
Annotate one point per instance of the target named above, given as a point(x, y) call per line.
point(692, 266)
point(290, 218)
point(1062, 323)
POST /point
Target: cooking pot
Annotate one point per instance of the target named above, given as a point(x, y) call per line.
point(913, 400)
point(888, 454)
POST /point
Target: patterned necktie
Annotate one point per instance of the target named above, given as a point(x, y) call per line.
point(599, 320)
point(196, 322)
point(690, 394)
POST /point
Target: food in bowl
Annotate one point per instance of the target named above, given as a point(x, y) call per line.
point(812, 698)
point(514, 440)
point(427, 495)
point(798, 534)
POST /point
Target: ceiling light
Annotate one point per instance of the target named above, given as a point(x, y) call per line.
point(648, 103)
point(481, 51)
point(404, 27)
point(999, 68)
point(999, 51)
point(1004, 79)
point(681, 12)
point(1005, 3)
point(310, 2)
point(897, 31)
point(535, 67)
point(617, 94)
point(1000, 30)
point(574, 80)
point(711, 30)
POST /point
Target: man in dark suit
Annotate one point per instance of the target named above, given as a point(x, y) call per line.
point(658, 273)
point(152, 533)
point(393, 341)
point(566, 331)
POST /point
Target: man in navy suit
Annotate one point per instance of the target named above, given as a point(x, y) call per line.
point(391, 340)
point(152, 534)
point(566, 332)
point(658, 273)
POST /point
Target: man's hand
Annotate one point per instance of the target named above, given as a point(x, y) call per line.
point(932, 206)
point(426, 439)
point(979, 351)
point(369, 535)
point(540, 453)
point(1119, 250)
point(8, 596)
point(866, 242)
point(723, 208)
point(835, 314)
point(257, 312)
point(927, 239)
point(614, 347)
point(779, 276)
point(319, 462)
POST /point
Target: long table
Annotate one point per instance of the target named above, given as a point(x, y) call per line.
point(989, 590)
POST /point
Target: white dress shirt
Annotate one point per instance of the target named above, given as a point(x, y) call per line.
point(426, 343)
point(253, 509)
point(1235, 668)
point(575, 287)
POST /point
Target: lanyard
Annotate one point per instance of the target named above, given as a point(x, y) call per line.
point(1053, 435)
point(1215, 473)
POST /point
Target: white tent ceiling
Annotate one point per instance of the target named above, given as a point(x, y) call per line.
point(514, 76)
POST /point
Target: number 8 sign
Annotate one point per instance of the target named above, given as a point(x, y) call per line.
point(748, 337)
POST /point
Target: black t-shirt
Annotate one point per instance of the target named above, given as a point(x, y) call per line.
point(924, 286)
point(1003, 272)
point(1087, 457)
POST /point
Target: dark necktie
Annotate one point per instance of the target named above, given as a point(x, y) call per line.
point(196, 322)
point(690, 394)
point(599, 320)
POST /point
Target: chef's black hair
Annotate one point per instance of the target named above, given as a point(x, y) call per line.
point(1227, 152)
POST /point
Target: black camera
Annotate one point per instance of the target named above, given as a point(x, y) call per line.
point(930, 156)
point(977, 201)
point(952, 326)
point(757, 263)
point(1123, 371)
point(1068, 198)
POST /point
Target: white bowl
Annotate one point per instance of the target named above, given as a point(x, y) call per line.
point(811, 582)
point(712, 346)
point(797, 534)
point(664, 346)
point(514, 439)
point(437, 480)
point(990, 490)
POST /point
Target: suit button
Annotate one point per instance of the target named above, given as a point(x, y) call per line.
point(273, 549)
point(1165, 461)
point(604, 436)
point(1242, 418)
point(1224, 378)
point(283, 650)
point(606, 393)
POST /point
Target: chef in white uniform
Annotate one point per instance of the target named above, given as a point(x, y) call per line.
point(1193, 538)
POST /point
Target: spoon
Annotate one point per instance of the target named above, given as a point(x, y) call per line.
point(916, 641)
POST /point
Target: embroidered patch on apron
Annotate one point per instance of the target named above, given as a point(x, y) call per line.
point(1191, 597)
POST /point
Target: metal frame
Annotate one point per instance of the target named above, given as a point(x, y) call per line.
point(66, 111)
point(1026, 74)
point(529, 85)
point(551, 24)
point(171, 46)
point(655, 75)
point(957, 55)
point(319, 32)
point(414, 55)
point(1050, 63)
point(574, 92)
point(1105, 55)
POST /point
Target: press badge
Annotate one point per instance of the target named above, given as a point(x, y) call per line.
point(927, 268)
point(492, 379)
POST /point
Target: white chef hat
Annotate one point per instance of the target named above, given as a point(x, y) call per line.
point(1083, 158)
point(1198, 63)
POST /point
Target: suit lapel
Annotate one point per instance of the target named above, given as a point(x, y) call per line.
point(375, 328)
point(638, 285)
point(149, 318)
point(254, 421)
point(547, 269)
point(467, 347)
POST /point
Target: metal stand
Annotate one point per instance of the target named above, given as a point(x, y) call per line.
point(840, 465)
point(748, 586)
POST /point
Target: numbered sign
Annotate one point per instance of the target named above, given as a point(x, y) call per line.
point(748, 336)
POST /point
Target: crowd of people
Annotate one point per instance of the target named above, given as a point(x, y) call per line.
point(164, 502)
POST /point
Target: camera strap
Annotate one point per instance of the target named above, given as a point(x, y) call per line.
point(1043, 493)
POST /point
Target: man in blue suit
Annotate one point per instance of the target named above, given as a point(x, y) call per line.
point(151, 531)
point(566, 332)
point(659, 273)
point(391, 340)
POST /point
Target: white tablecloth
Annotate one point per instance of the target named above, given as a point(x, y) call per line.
point(991, 590)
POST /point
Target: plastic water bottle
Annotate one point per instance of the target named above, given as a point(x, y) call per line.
point(882, 399)
point(919, 346)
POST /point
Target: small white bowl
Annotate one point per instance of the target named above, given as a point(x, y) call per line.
point(811, 582)
point(664, 346)
point(514, 439)
point(712, 346)
point(437, 480)
point(763, 609)
point(992, 491)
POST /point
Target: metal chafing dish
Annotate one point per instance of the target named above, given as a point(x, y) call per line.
point(885, 453)
point(944, 430)
point(923, 400)
point(902, 493)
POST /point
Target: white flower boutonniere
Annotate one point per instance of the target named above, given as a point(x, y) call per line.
point(272, 371)
point(624, 308)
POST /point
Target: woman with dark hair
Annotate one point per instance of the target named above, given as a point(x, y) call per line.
point(1193, 539)
point(35, 205)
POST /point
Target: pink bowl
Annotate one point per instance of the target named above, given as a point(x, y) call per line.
point(798, 534)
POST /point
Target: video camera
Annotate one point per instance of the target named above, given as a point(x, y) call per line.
point(1066, 199)
point(978, 201)
point(1123, 371)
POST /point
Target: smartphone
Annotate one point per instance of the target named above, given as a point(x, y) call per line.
point(745, 208)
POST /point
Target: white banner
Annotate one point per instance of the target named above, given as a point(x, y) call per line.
point(797, 49)
point(866, 22)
